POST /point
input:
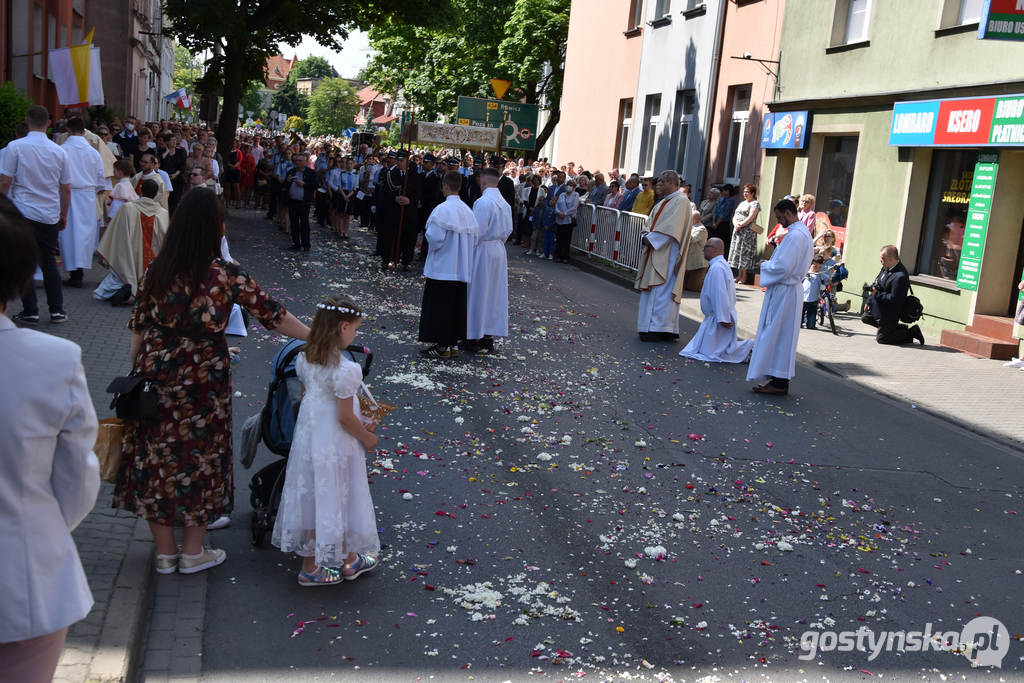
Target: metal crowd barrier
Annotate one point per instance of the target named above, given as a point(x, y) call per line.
point(609, 235)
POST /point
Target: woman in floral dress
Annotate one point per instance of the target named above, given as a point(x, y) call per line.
point(177, 469)
point(743, 249)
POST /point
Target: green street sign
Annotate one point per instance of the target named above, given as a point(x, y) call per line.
point(1001, 20)
point(978, 209)
point(518, 121)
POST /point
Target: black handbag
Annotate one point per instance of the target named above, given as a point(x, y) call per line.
point(913, 309)
point(134, 398)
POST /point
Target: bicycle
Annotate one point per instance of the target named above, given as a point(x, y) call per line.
point(827, 306)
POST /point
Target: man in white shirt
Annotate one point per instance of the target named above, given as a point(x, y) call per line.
point(80, 235)
point(36, 176)
point(450, 231)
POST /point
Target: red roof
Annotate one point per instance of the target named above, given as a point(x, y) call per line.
point(277, 70)
point(384, 119)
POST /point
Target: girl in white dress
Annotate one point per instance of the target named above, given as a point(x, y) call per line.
point(326, 514)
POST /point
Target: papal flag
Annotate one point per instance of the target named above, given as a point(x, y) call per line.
point(77, 74)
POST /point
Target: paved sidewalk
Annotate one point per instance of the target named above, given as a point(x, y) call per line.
point(978, 394)
point(114, 547)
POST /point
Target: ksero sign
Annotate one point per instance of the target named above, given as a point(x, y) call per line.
point(961, 122)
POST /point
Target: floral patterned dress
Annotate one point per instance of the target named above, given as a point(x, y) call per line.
point(178, 469)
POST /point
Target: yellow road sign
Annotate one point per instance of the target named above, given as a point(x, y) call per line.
point(500, 87)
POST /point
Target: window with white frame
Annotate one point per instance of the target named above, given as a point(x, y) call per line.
point(649, 137)
point(858, 20)
point(970, 12)
point(625, 124)
point(662, 8)
point(684, 118)
point(636, 14)
point(737, 133)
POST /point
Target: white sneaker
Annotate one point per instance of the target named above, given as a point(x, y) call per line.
point(192, 564)
point(1014, 363)
point(551, 257)
point(219, 523)
point(530, 252)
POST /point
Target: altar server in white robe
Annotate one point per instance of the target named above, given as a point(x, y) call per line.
point(150, 171)
point(715, 341)
point(666, 239)
point(79, 237)
point(451, 236)
point(487, 309)
point(774, 354)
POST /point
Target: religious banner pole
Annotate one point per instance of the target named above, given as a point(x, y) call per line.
point(406, 140)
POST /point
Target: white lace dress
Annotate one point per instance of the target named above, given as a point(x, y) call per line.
point(326, 510)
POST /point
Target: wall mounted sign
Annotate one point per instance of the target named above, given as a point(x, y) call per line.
point(962, 122)
point(976, 227)
point(785, 130)
point(1001, 20)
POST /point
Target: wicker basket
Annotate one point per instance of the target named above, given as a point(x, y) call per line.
point(376, 410)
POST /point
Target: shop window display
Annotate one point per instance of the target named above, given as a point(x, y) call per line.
point(835, 179)
point(949, 192)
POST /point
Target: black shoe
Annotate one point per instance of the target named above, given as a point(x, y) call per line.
point(59, 317)
point(24, 319)
point(121, 296)
point(305, 249)
point(294, 247)
point(917, 334)
point(470, 345)
point(649, 337)
point(404, 268)
point(77, 284)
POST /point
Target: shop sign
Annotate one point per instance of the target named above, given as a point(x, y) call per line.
point(784, 130)
point(976, 227)
point(1002, 20)
point(517, 121)
point(962, 122)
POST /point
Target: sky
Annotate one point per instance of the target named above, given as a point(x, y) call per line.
point(355, 54)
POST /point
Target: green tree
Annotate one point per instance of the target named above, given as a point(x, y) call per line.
point(332, 107)
point(288, 100)
point(187, 68)
point(521, 40)
point(312, 67)
point(242, 34)
point(294, 123)
point(13, 107)
point(251, 100)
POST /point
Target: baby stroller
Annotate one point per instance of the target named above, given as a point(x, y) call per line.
point(277, 425)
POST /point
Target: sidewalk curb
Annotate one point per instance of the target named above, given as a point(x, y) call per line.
point(685, 308)
point(124, 630)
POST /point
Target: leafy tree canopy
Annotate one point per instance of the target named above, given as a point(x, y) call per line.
point(187, 69)
point(241, 34)
point(294, 123)
point(312, 67)
point(251, 100)
point(332, 107)
point(288, 100)
point(520, 40)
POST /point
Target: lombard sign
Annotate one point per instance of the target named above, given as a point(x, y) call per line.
point(963, 122)
point(1002, 20)
point(785, 130)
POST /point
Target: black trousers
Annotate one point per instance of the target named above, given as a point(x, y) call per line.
point(809, 317)
point(273, 190)
point(298, 218)
point(563, 238)
point(443, 313)
point(366, 216)
point(889, 333)
point(46, 241)
point(407, 245)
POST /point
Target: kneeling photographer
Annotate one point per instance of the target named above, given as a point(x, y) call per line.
point(886, 300)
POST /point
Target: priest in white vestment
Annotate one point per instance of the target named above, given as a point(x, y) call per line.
point(78, 238)
point(487, 302)
point(715, 341)
point(774, 354)
point(130, 243)
point(451, 236)
point(150, 164)
point(666, 240)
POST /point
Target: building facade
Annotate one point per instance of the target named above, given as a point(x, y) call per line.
point(746, 67)
point(602, 65)
point(28, 29)
point(681, 39)
point(914, 105)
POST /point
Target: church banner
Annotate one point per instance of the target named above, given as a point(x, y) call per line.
point(452, 135)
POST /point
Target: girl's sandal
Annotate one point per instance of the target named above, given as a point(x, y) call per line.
point(322, 576)
point(363, 564)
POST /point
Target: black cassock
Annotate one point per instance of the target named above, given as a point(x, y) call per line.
point(396, 225)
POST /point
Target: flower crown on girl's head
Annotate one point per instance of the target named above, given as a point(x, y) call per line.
point(341, 309)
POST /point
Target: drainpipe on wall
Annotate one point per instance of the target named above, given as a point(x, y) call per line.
point(716, 61)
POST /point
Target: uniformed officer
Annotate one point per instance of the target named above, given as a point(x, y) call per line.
point(397, 195)
point(430, 196)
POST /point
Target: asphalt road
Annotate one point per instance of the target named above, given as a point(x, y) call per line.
point(587, 505)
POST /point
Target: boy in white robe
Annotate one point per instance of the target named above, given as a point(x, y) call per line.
point(123, 191)
point(78, 239)
point(774, 354)
point(667, 239)
point(451, 233)
point(715, 341)
point(487, 301)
